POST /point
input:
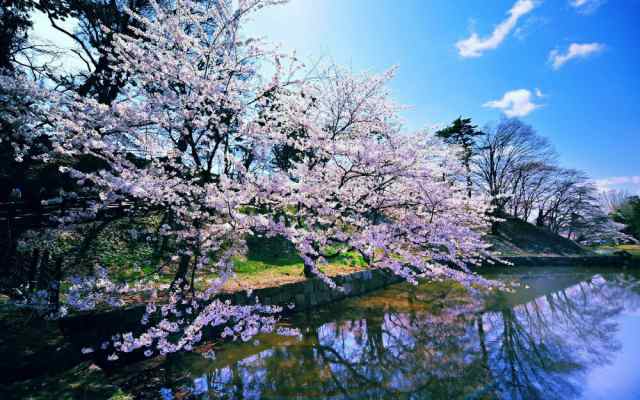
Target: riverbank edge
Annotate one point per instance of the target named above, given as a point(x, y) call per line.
point(304, 295)
point(570, 261)
point(310, 293)
point(88, 329)
point(301, 296)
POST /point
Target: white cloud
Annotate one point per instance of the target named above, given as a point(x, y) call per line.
point(516, 103)
point(474, 45)
point(586, 6)
point(539, 93)
point(575, 50)
point(618, 180)
point(530, 25)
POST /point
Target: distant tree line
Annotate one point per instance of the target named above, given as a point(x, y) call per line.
point(624, 208)
point(518, 170)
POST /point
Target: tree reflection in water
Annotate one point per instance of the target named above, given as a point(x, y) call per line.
point(541, 349)
point(538, 343)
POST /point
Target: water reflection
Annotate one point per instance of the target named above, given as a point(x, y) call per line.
point(425, 342)
point(541, 349)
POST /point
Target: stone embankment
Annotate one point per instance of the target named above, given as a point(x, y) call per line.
point(88, 329)
point(85, 329)
point(572, 261)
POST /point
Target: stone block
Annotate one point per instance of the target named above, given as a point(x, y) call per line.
point(308, 287)
point(300, 301)
point(348, 288)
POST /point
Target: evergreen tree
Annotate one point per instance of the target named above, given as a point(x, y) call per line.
point(463, 133)
point(629, 214)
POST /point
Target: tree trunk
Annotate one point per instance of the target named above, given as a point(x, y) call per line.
point(180, 278)
point(308, 271)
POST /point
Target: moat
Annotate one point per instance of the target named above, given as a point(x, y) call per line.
point(564, 333)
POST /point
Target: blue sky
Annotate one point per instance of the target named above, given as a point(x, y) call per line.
point(587, 101)
point(590, 103)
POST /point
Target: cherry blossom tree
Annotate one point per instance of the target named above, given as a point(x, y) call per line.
point(203, 137)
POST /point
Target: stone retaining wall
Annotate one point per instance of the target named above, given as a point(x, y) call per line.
point(88, 329)
point(305, 294)
point(551, 261)
point(314, 292)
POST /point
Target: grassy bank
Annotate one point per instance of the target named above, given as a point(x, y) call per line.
point(514, 237)
point(633, 249)
point(255, 271)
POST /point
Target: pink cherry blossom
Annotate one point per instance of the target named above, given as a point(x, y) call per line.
point(209, 127)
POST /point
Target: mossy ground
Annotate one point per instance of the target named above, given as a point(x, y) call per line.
point(269, 261)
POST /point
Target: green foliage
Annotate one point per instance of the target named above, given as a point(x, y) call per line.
point(463, 133)
point(120, 395)
point(120, 247)
point(348, 258)
point(629, 214)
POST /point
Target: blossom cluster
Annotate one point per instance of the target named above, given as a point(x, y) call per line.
point(202, 135)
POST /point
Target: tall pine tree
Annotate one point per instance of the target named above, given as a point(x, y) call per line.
point(463, 133)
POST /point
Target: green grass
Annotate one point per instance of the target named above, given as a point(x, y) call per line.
point(270, 261)
point(274, 261)
point(267, 269)
point(633, 249)
point(278, 253)
point(247, 266)
point(290, 262)
point(260, 259)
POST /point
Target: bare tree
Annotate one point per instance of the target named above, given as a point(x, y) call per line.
point(505, 155)
point(614, 199)
point(573, 208)
point(517, 168)
point(530, 185)
point(567, 194)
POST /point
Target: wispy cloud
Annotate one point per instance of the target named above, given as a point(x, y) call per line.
point(530, 26)
point(618, 181)
point(575, 50)
point(516, 103)
point(474, 45)
point(586, 6)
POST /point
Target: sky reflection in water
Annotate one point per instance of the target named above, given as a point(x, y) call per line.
point(564, 335)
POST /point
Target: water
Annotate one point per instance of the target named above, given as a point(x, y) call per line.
point(564, 334)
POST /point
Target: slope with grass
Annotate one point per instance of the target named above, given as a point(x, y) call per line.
point(274, 262)
point(515, 237)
